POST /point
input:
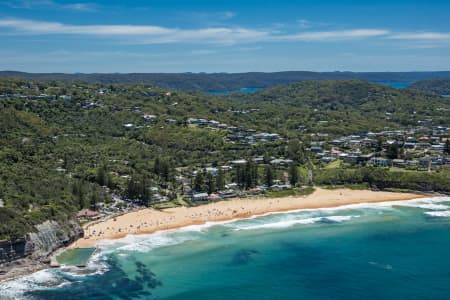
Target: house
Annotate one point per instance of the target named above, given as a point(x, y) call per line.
point(423, 145)
point(365, 157)
point(102, 91)
point(232, 186)
point(335, 153)
point(316, 149)
point(327, 159)
point(222, 126)
point(267, 136)
point(409, 145)
point(412, 162)
point(281, 162)
point(87, 213)
point(337, 142)
point(255, 191)
point(369, 142)
point(435, 139)
point(258, 159)
point(157, 197)
point(379, 161)
point(238, 162)
point(351, 159)
point(65, 97)
point(281, 187)
point(424, 162)
point(398, 162)
point(200, 197)
point(438, 147)
point(226, 168)
point(227, 193)
point(91, 105)
point(214, 197)
point(149, 117)
point(212, 171)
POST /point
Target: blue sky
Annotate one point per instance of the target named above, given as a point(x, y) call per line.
point(224, 36)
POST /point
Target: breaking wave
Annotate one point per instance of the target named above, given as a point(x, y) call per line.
point(289, 223)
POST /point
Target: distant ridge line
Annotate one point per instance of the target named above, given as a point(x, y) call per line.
point(208, 82)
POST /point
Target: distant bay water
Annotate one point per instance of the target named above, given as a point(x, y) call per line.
point(243, 90)
point(393, 84)
point(397, 250)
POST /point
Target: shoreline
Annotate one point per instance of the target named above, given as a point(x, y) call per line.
point(238, 209)
point(148, 221)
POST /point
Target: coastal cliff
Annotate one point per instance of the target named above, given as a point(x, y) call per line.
point(34, 248)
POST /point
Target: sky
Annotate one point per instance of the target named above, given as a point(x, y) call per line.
point(174, 36)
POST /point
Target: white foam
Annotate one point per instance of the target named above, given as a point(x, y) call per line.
point(289, 223)
point(17, 288)
point(430, 206)
point(444, 214)
point(363, 205)
point(147, 242)
point(382, 266)
point(339, 218)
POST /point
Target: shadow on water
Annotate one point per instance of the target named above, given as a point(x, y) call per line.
point(115, 284)
point(242, 257)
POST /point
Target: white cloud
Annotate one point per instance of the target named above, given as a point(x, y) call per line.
point(35, 4)
point(37, 27)
point(336, 35)
point(304, 23)
point(80, 6)
point(228, 15)
point(149, 34)
point(208, 16)
point(422, 36)
point(203, 52)
point(250, 48)
point(144, 34)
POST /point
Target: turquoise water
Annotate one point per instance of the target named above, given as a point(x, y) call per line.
point(377, 251)
point(75, 257)
point(395, 84)
point(243, 90)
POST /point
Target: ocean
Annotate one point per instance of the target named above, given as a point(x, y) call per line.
point(395, 250)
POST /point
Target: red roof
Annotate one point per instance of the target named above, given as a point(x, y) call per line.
point(87, 213)
point(214, 197)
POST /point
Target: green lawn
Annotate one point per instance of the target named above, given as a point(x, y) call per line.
point(334, 164)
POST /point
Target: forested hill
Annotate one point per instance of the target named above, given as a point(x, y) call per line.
point(225, 81)
point(435, 86)
point(68, 146)
point(347, 106)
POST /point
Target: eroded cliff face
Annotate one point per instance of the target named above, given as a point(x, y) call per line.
point(48, 237)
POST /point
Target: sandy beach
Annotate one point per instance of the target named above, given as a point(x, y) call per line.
point(149, 220)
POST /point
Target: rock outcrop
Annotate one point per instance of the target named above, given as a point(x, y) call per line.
point(37, 245)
